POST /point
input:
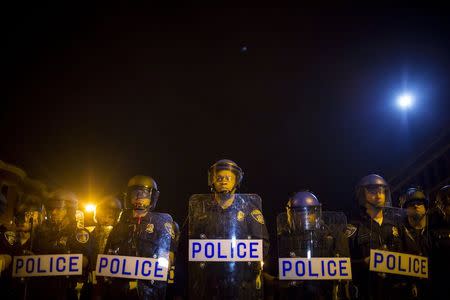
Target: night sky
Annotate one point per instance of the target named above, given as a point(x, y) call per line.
point(299, 98)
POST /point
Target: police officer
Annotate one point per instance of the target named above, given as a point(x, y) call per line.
point(59, 234)
point(378, 227)
point(27, 217)
point(107, 214)
point(303, 232)
point(223, 214)
point(8, 248)
point(416, 238)
point(7, 240)
point(144, 233)
point(440, 233)
point(28, 212)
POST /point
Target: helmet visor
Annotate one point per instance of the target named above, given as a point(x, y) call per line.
point(139, 198)
point(304, 218)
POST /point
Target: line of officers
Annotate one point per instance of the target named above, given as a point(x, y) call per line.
point(304, 230)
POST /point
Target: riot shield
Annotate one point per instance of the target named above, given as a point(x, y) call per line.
point(139, 256)
point(227, 242)
point(59, 261)
point(313, 259)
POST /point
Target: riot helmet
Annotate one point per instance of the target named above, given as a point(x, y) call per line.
point(107, 212)
point(304, 211)
point(27, 215)
point(60, 205)
point(224, 176)
point(412, 196)
point(443, 201)
point(415, 202)
point(142, 193)
point(374, 191)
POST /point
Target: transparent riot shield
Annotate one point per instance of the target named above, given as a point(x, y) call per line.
point(139, 256)
point(227, 243)
point(314, 260)
point(50, 244)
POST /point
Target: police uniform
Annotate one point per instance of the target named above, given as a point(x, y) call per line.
point(365, 234)
point(8, 246)
point(417, 242)
point(241, 220)
point(148, 236)
point(49, 239)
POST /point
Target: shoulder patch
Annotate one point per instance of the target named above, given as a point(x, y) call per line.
point(10, 237)
point(350, 230)
point(169, 228)
point(257, 215)
point(82, 236)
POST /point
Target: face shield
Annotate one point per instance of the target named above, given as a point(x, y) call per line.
point(139, 198)
point(56, 211)
point(416, 209)
point(28, 220)
point(224, 177)
point(106, 216)
point(304, 218)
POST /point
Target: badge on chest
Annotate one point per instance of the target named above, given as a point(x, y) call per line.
point(150, 228)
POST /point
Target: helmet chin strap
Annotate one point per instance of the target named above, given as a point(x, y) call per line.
point(223, 196)
point(374, 206)
point(224, 192)
point(418, 217)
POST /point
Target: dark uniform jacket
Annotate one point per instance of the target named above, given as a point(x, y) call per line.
point(365, 234)
point(417, 242)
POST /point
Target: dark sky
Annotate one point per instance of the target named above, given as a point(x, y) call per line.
point(95, 95)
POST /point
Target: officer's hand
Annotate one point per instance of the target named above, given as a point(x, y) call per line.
point(351, 291)
point(171, 278)
point(414, 291)
point(132, 285)
point(5, 261)
point(85, 261)
point(171, 258)
point(367, 260)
